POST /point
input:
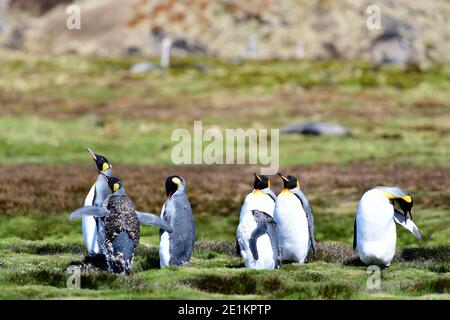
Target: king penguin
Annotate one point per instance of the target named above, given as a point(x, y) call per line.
point(176, 249)
point(295, 221)
point(375, 234)
point(266, 225)
point(92, 226)
point(121, 230)
point(262, 199)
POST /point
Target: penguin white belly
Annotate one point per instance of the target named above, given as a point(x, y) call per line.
point(256, 200)
point(292, 225)
point(89, 226)
point(376, 231)
point(164, 252)
point(265, 254)
point(164, 245)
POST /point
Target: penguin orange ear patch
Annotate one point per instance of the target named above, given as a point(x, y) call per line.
point(116, 187)
point(105, 167)
point(177, 181)
point(407, 198)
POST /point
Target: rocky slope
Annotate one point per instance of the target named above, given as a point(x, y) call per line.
point(232, 29)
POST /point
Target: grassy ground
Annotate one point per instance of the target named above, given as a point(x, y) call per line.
point(53, 107)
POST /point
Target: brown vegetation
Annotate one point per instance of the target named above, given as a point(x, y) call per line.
point(217, 190)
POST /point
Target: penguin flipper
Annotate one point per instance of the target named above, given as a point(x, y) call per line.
point(354, 235)
point(273, 235)
point(152, 219)
point(309, 215)
point(258, 232)
point(406, 223)
point(238, 248)
point(88, 211)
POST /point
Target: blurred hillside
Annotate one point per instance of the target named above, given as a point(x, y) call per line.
point(411, 31)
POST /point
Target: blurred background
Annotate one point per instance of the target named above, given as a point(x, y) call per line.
point(228, 29)
point(358, 105)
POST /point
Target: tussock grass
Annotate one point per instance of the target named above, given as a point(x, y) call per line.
point(43, 248)
point(440, 285)
point(206, 247)
point(437, 254)
point(333, 252)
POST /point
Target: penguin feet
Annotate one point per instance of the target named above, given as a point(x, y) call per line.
point(97, 261)
point(185, 264)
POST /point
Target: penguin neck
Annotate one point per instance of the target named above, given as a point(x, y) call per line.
point(257, 192)
point(120, 192)
point(108, 172)
point(179, 191)
point(101, 186)
point(287, 190)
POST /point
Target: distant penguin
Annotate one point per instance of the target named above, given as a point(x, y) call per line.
point(375, 234)
point(176, 249)
point(295, 221)
point(261, 198)
point(92, 226)
point(121, 231)
point(266, 225)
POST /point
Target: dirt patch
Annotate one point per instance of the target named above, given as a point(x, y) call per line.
point(241, 284)
point(217, 190)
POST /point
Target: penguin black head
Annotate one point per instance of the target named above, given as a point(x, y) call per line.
point(406, 203)
point(400, 196)
point(102, 163)
point(261, 182)
point(172, 185)
point(289, 182)
point(113, 182)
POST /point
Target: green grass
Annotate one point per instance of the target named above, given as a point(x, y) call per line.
point(213, 274)
point(54, 107)
point(36, 250)
point(36, 140)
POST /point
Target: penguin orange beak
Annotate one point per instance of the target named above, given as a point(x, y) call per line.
point(257, 176)
point(282, 177)
point(94, 156)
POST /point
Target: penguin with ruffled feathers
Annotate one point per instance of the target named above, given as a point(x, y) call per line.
point(375, 234)
point(121, 229)
point(92, 226)
point(295, 220)
point(175, 249)
point(262, 199)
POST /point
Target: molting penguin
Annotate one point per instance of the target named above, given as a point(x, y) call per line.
point(121, 231)
point(175, 249)
point(266, 225)
point(375, 234)
point(92, 226)
point(262, 199)
point(295, 220)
